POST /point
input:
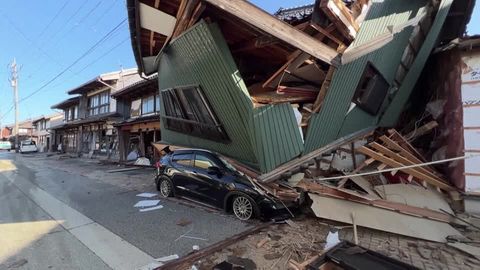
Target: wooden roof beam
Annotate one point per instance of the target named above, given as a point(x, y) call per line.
point(281, 30)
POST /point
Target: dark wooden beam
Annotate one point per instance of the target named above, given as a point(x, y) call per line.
point(255, 16)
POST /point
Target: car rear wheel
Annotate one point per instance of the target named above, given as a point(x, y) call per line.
point(243, 207)
point(165, 186)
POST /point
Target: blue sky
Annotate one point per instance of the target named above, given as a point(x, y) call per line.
point(50, 35)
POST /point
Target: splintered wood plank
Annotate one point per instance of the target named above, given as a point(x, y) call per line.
point(196, 14)
point(388, 205)
point(323, 91)
point(422, 130)
point(260, 19)
point(291, 58)
point(343, 20)
point(395, 146)
point(297, 162)
point(405, 144)
point(389, 153)
point(395, 164)
point(381, 219)
point(320, 29)
point(187, 10)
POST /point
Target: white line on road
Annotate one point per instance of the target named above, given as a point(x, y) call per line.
point(109, 247)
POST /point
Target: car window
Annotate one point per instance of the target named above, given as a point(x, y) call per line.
point(203, 162)
point(182, 159)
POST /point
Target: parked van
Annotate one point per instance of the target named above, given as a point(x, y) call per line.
point(28, 147)
point(5, 145)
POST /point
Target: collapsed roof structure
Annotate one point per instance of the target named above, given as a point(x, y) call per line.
point(239, 81)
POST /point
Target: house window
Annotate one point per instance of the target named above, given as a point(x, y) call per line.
point(371, 90)
point(157, 103)
point(135, 108)
point(188, 111)
point(148, 105)
point(67, 112)
point(99, 103)
point(75, 112)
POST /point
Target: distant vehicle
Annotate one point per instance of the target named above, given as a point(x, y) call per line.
point(28, 147)
point(5, 145)
point(207, 177)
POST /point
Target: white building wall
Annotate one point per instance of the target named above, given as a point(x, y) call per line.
point(471, 119)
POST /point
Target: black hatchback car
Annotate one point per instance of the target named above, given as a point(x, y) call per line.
point(207, 177)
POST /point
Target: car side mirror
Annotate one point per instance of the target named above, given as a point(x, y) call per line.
point(214, 170)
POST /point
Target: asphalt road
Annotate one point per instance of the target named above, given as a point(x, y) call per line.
point(110, 205)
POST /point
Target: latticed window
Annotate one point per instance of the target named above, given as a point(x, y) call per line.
point(188, 111)
point(99, 103)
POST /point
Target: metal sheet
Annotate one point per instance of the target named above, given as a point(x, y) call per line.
point(266, 136)
point(334, 120)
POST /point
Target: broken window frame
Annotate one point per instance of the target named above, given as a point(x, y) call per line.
point(361, 90)
point(181, 116)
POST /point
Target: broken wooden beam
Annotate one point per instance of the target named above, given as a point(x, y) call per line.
point(189, 260)
point(395, 164)
point(296, 163)
point(260, 19)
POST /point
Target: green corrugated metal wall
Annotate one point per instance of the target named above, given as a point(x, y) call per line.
point(276, 135)
point(395, 109)
point(201, 56)
point(333, 121)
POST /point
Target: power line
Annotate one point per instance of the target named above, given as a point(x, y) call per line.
point(16, 28)
point(53, 19)
point(77, 60)
point(109, 8)
point(68, 21)
point(105, 54)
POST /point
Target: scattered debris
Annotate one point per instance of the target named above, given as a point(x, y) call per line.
point(147, 195)
point(146, 203)
point(142, 162)
point(167, 258)
point(124, 169)
point(332, 239)
point(472, 250)
point(151, 208)
point(183, 222)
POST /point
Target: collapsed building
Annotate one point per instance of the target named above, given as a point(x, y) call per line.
point(239, 81)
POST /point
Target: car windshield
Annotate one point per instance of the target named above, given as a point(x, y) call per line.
point(28, 143)
point(227, 164)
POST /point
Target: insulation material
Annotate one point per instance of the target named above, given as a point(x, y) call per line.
point(381, 219)
point(414, 196)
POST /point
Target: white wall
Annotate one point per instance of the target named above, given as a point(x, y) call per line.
point(471, 119)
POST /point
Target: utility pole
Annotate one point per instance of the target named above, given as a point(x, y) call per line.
point(14, 83)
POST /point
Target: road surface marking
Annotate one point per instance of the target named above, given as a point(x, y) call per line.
point(109, 247)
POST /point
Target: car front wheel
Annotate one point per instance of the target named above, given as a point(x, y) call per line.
point(165, 186)
point(243, 207)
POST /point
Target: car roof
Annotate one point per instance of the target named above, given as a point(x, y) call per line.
point(191, 150)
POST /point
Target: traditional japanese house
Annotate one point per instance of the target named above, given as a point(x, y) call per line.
point(41, 132)
point(140, 125)
point(237, 80)
point(89, 117)
point(65, 135)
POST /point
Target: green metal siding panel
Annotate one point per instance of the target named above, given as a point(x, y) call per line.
point(201, 56)
point(267, 136)
point(332, 121)
point(277, 135)
point(398, 103)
